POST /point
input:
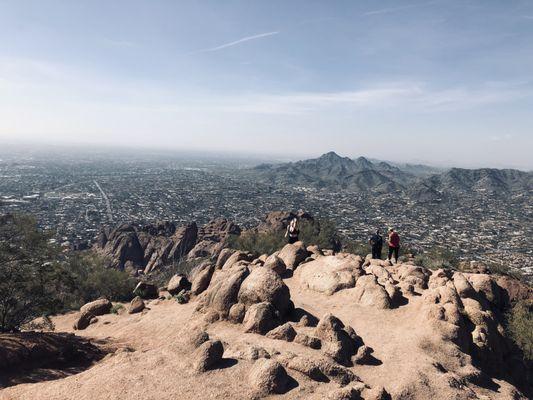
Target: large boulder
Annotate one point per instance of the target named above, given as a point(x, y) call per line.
point(329, 274)
point(121, 245)
point(236, 257)
point(276, 264)
point(293, 254)
point(268, 377)
point(486, 287)
point(212, 238)
point(368, 292)
point(223, 257)
point(183, 241)
point(208, 355)
point(223, 290)
point(97, 307)
point(264, 285)
point(201, 278)
point(339, 342)
point(277, 221)
point(83, 321)
point(136, 306)
point(178, 283)
point(260, 318)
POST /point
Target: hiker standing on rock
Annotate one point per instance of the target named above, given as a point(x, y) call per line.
point(394, 245)
point(376, 242)
point(292, 231)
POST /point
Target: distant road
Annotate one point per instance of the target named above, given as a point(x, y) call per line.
point(107, 202)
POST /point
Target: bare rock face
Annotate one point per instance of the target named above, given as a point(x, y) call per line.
point(236, 257)
point(284, 332)
point(337, 342)
point(368, 292)
point(350, 392)
point(208, 355)
point(183, 241)
point(121, 245)
point(223, 257)
point(223, 290)
point(413, 275)
point(330, 274)
point(264, 285)
point(293, 254)
point(212, 238)
point(83, 321)
point(136, 306)
point(268, 377)
point(260, 318)
point(201, 278)
point(97, 307)
point(276, 264)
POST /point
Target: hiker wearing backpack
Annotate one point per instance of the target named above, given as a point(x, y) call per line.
point(394, 245)
point(376, 243)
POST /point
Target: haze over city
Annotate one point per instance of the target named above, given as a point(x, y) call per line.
point(441, 82)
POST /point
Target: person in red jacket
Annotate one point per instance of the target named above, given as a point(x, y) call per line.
point(394, 245)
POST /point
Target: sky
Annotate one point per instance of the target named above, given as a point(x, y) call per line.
point(444, 82)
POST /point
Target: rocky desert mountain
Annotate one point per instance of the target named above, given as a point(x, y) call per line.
point(301, 323)
point(333, 171)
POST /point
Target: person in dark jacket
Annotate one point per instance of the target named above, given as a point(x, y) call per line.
point(394, 245)
point(376, 243)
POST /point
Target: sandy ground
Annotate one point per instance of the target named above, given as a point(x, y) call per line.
point(153, 360)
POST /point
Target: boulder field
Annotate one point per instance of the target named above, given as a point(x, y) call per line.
point(301, 324)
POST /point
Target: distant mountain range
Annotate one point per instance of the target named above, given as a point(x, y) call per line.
point(422, 182)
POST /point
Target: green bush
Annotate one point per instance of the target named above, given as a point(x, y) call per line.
point(437, 257)
point(37, 279)
point(358, 248)
point(520, 327)
point(90, 279)
point(322, 233)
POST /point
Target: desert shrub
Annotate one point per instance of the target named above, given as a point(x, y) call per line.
point(29, 272)
point(36, 279)
point(437, 257)
point(502, 269)
point(322, 233)
point(358, 248)
point(520, 327)
point(90, 279)
point(257, 242)
point(116, 308)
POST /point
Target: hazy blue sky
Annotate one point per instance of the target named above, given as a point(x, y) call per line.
point(439, 81)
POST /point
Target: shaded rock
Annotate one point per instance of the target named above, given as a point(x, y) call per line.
point(486, 287)
point(212, 238)
point(377, 393)
point(235, 258)
point(97, 307)
point(308, 341)
point(306, 366)
point(223, 290)
point(223, 257)
point(178, 283)
point(350, 392)
point(293, 254)
point(197, 337)
point(336, 341)
point(260, 318)
point(136, 306)
point(236, 313)
point(268, 377)
point(202, 278)
point(462, 286)
point(83, 320)
point(208, 355)
point(363, 355)
point(183, 242)
point(146, 290)
point(284, 332)
point(264, 285)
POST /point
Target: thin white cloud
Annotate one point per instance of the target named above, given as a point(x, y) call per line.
point(236, 42)
point(399, 8)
